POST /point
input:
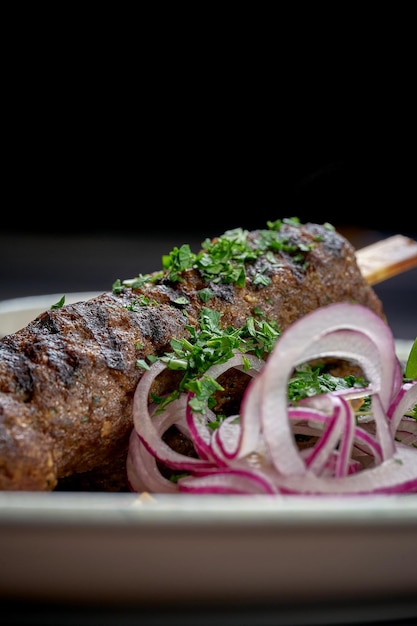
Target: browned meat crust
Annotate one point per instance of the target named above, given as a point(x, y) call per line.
point(68, 378)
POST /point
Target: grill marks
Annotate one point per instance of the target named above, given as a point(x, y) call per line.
point(102, 333)
point(15, 371)
point(66, 387)
point(67, 380)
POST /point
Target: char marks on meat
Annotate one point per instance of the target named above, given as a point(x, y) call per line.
point(67, 379)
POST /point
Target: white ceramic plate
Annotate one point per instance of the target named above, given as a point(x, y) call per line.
point(183, 549)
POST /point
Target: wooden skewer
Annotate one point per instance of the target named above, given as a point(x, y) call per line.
point(386, 258)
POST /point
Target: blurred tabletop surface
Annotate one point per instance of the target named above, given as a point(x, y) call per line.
point(38, 264)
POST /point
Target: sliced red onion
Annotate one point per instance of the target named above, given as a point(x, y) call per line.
point(231, 481)
point(217, 445)
point(200, 431)
point(328, 414)
point(405, 399)
point(146, 428)
point(258, 452)
point(226, 439)
point(142, 469)
point(307, 339)
point(396, 475)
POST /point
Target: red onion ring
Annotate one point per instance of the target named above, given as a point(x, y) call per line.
point(257, 452)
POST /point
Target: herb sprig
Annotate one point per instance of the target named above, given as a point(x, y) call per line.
point(210, 344)
point(224, 259)
point(411, 365)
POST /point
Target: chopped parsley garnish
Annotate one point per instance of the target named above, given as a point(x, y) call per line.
point(139, 302)
point(224, 259)
point(309, 381)
point(211, 344)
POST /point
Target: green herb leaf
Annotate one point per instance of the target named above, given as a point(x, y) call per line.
point(59, 304)
point(205, 294)
point(224, 259)
point(142, 364)
point(411, 366)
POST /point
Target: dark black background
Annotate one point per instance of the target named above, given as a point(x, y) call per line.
point(108, 148)
point(180, 185)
